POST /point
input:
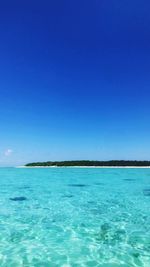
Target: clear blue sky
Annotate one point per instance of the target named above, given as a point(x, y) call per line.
point(74, 80)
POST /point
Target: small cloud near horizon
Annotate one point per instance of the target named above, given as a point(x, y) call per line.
point(8, 152)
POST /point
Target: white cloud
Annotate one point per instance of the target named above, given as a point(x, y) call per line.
point(8, 152)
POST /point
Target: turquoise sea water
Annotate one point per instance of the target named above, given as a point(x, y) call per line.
point(74, 217)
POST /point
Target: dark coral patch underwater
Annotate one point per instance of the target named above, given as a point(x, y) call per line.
point(18, 198)
point(129, 179)
point(67, 196)
point(78, 185)
point(146, 192)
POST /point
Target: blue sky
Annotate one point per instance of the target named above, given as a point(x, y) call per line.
point(75, 80)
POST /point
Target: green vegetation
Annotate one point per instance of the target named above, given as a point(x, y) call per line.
point(111, 163)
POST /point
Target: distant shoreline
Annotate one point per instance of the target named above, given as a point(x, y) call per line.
point(90, 164)
point(85, 167)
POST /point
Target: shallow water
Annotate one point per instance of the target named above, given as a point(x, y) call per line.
point(74, 217)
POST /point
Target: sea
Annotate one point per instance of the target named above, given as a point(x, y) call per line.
point(74, 217)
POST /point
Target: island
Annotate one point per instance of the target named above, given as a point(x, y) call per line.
point(91, 163)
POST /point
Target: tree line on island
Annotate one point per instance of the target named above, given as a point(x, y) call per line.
point(94, 163)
